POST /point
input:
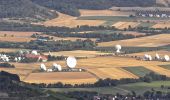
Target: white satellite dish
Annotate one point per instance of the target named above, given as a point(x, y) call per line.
point(118, 48)
point(166, 58)
point(56, 67)
point(43, 67)
point(146, 56)
point(157, 56)
point(149, 57)
point(34, 52)
point(71, 62)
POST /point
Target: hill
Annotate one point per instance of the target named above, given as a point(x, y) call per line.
point(71, 6)
point(24, 9)
point(13, 89)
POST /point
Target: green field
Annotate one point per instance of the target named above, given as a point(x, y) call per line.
point(165, 66)
point(139, 88)
point(145, 24)
point(139, 71)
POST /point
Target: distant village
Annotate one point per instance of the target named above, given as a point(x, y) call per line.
point(156, 14)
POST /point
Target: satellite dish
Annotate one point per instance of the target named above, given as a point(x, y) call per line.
point(146, 56)
point(57, 67)
point(149, 57)
point(157, 56)
point(34, 52)
point(71, 62)
point(43, 67)
point(166, 58)
point(118, 48)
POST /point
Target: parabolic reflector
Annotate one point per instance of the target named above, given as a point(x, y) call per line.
point(71, 62)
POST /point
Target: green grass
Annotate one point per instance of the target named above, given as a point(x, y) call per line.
point(165, 66)
point(139, 71)
point(145, 24)
point(139, 88)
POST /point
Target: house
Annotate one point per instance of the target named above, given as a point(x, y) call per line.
point(42, 58)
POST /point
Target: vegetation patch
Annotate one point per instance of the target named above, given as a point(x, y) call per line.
point(139, 71)
point(165, 66)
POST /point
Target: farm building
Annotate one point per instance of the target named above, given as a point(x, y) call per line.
point(38, 57)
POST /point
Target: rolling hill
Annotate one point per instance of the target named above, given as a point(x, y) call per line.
point(24, 9)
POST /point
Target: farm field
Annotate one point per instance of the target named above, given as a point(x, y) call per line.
point(99, 67)
point(69, 21)
point(161, 25)
point(64, 77)
point(104, 12)
point(7, 50)
point(165, 66)
point(67, 38)
point(17, 34)
point(12, 36)
point(78, 53)
point(139, 71)
point(149, 41)
point(123, 25)
point(139, 88)
point(16, 39)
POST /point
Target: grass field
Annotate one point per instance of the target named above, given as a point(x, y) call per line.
point(139, 71)
point(165, 66)
point(149, 41)
point(139, 88)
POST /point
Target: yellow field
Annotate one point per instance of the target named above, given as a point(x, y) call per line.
point(149, 41)
point(69, 21)
point(68, 38)
point(16, 34)
point(161, 25)
point(123, 25)
point(77, 53)
point(65, 77)
point(103, 13)
point(8, 50)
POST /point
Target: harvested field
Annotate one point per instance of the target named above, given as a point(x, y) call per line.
point(16, 39)
point(78, 53)
point(16, 34)
point(149, 41)
point(8, 50)
point(68, 38)
point(104, 13)
point(69, 21)
point(113, 73)
point(65, 77)
point(161, 25)
point(123, 25)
